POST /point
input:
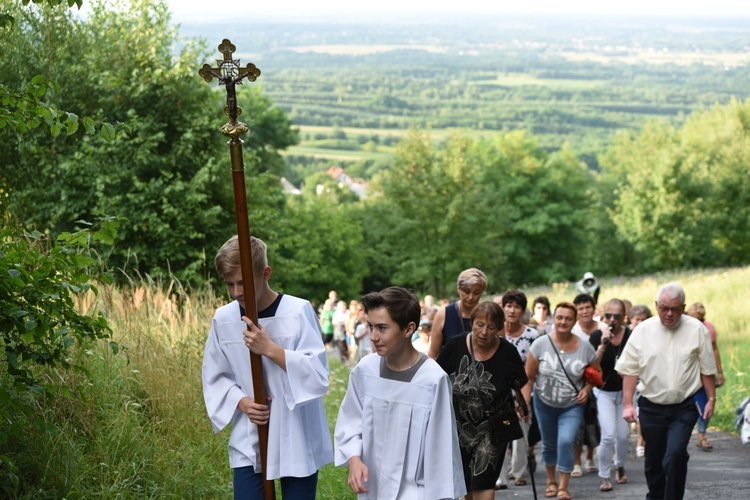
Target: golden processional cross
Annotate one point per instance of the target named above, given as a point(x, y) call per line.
point(230, 74)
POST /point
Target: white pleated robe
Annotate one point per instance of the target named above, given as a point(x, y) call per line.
point(299, 440)
point(405, 433)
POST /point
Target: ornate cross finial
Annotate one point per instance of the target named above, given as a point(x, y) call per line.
point(229, 73)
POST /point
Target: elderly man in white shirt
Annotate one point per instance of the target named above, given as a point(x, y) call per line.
point(669, 357)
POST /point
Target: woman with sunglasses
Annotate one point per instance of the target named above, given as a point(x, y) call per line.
point(609, 344)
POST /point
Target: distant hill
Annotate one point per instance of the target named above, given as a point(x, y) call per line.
point(564, 80)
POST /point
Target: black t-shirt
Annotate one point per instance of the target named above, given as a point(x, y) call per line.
point(268, 312)
point(494, 374)
point(612, 380)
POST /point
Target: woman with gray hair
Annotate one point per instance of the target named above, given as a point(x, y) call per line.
point(455, 319)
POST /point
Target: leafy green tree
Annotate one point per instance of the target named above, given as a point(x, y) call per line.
point(420, 217)
point(717, 142)
point(650, 209)
point(534, 206)
point(170, 175)
point(504, 205)
point(24, 103)
point(39, 280)
point(319, 247)
point(684, 196)
point(7, 18)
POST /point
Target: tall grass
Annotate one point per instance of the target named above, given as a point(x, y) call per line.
point(137, 426)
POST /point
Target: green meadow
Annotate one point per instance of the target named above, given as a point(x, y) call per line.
point(137, 427)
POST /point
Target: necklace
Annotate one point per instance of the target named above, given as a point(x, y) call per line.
point(419, 356)
point(618, 351)
point(495, 339)
point(564, 345)
point(617, 348)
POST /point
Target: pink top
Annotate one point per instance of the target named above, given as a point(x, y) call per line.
point(711, 331)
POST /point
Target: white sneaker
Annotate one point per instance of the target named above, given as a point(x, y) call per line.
point(640, 451)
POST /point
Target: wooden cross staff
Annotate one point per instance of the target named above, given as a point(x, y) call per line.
point(229, 73)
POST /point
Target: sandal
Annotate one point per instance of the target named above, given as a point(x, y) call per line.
point(563, 495)
point(521, 481)
point(577, 472)
point(551, 490)
point(606, 484)
point(705, 445)
point(620, 475)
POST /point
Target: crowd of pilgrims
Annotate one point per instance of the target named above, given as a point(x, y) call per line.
point(605, 327)
point(448, 400)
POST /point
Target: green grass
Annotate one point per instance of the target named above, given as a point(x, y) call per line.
point(313, 149)
point(138, 427)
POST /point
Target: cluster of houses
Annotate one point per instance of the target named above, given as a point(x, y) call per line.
point(338, 174)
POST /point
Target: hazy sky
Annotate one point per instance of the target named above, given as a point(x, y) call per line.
point(184, 10)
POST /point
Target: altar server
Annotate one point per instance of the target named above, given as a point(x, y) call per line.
point(396, 429)
point(295, 370)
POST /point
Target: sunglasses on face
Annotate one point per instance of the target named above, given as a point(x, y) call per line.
point(616, 317)
point(673, 310)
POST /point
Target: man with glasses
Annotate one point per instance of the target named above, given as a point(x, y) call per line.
point(669, 357)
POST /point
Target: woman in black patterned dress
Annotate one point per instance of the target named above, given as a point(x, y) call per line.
point(482, 366)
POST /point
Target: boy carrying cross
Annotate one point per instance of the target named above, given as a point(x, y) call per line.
point(295, 370)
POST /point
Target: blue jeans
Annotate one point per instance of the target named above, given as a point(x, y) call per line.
point(666, 430)
point(559, 427)
point(248, 485)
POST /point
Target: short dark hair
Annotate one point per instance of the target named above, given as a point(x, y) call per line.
point(582, 298)
point(542, 300)
point(516, 296)
point(402, 305)
point(492, 311)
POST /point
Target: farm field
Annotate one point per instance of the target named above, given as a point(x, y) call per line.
point(563, 81)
